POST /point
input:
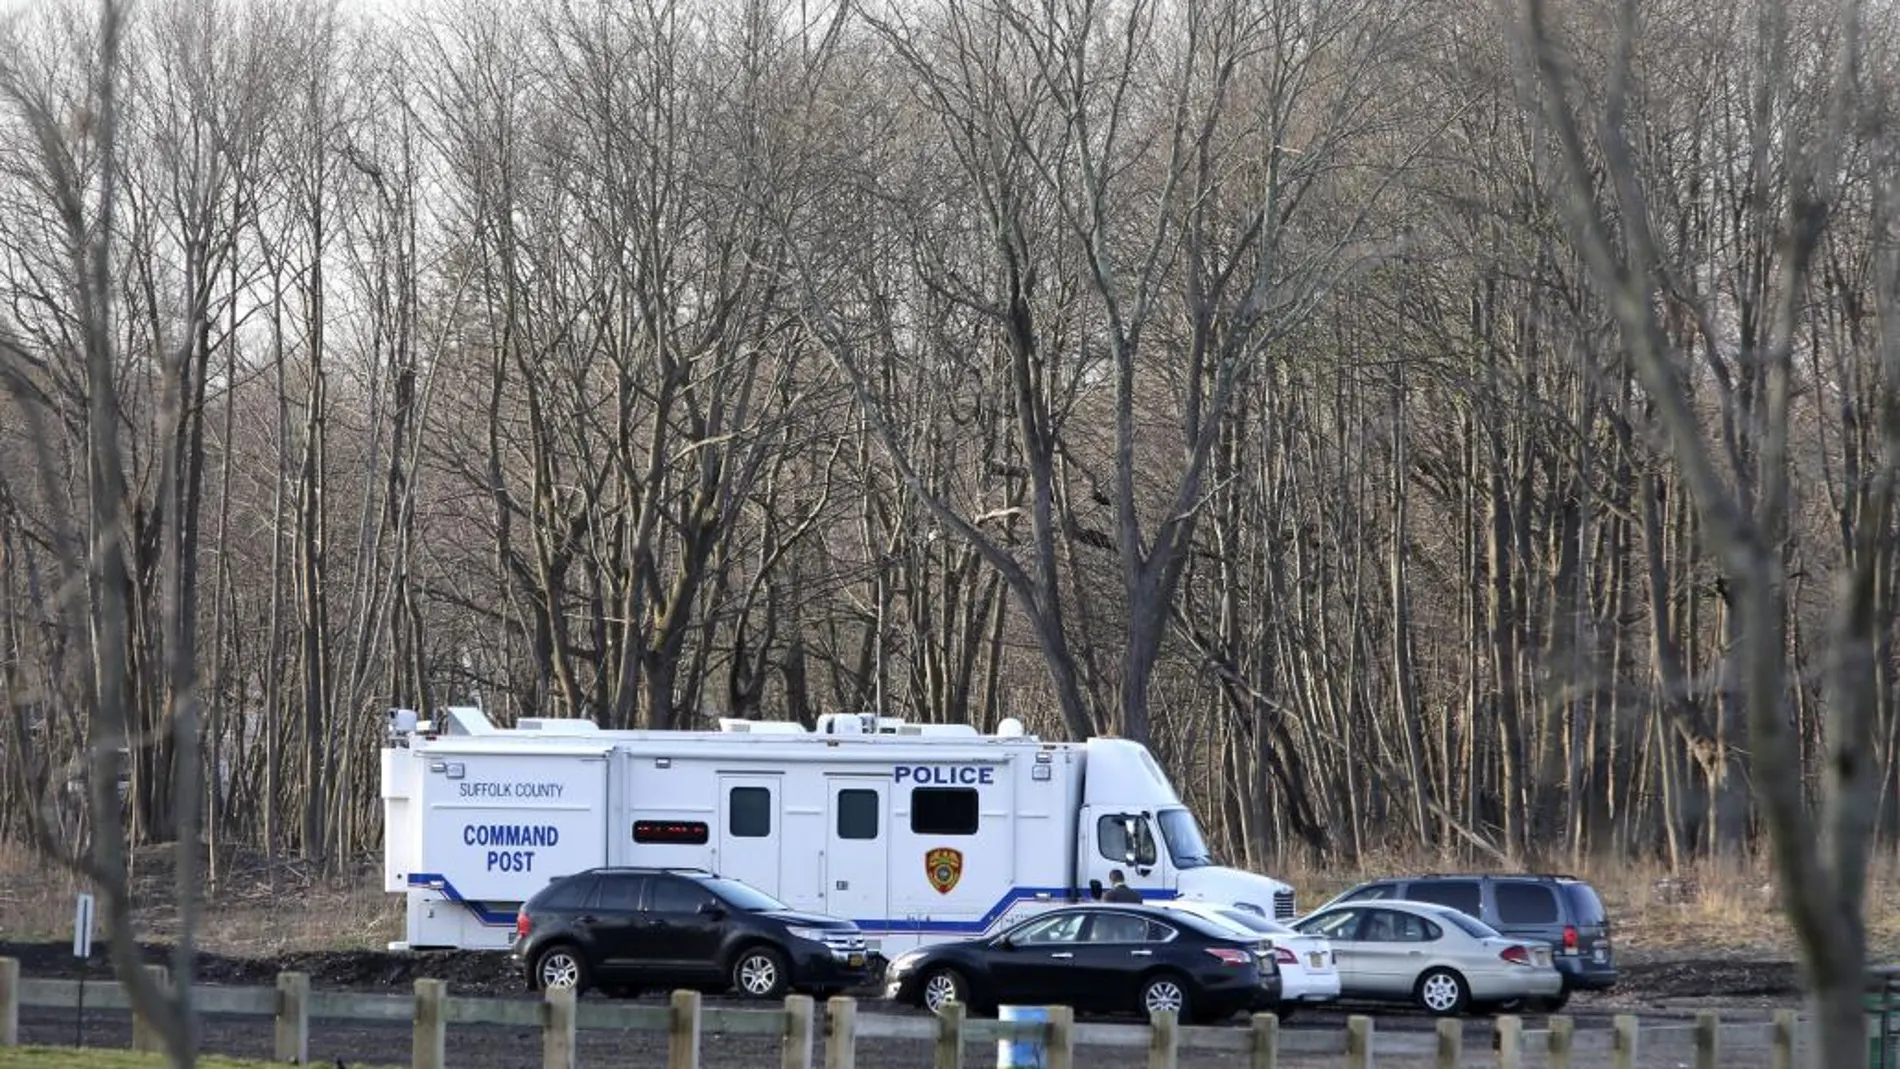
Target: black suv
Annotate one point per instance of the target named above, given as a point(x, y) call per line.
point(625, 929)
point(1560, 910)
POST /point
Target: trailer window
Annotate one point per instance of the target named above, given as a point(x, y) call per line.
point(749, 812)
point(857, 814)
point(943, 811)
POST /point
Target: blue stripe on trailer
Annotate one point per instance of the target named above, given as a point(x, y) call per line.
point(435, 881)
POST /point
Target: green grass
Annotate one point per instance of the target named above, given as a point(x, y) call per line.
point(95, 1058)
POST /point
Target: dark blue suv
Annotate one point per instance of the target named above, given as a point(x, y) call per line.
point(628, 929)
point(1560, 910)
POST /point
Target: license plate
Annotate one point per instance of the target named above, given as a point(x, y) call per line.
point(1601, 955)
point(855, 960)
point(1543, 957)
point(1318, 961)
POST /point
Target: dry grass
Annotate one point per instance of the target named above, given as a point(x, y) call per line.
point(1711, 909)
point(253, 909)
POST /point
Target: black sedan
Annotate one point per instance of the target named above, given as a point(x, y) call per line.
point(1100, 958)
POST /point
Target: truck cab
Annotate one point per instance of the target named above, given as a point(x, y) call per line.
point(1131, 819)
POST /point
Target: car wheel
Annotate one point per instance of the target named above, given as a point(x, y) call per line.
point(1166, 992)
point(760, 972)
point(942, 987)
point(1442, 992)
point(559, 967)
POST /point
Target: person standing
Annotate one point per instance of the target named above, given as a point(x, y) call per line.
point(1118, 889)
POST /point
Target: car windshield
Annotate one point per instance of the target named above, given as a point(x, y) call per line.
point(1473, 927)
point(743, 895)
point(1185, 844)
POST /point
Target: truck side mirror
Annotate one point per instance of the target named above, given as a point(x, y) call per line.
point(1095, 889)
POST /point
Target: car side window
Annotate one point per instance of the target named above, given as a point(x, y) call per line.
point(1392, 926)
point(674, 895)
point(1461, 895)
point(1118, 928)
point(1160, 933)
point(1339, 924)
point(570, 895)
point(618, 893)
point(1524, 903)
point(1064, 928)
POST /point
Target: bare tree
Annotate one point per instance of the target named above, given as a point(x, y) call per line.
point(79, 171)
point(1738, 477)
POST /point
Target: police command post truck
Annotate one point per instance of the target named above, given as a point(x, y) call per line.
point(918, 832)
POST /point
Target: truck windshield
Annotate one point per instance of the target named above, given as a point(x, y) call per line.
point(743, 896)
point(1185, 844)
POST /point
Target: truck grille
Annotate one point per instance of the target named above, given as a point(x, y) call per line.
point(1282, 905)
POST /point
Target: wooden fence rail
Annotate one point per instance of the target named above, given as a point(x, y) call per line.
point(292, 1005)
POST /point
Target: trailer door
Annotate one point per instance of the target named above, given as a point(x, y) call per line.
point(856, 844)
point(749, 830)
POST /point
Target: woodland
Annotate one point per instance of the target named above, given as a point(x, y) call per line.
point(1425, 424)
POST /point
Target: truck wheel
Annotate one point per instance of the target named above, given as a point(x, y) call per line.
point(760, 972)
point(560, 966)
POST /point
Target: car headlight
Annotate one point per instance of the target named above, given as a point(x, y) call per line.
point(1251, 908)
point(816, 935)
point(904, 962)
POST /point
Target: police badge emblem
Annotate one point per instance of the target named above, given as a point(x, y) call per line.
point(944, 866)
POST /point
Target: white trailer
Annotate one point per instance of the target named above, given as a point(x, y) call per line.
point(920, 833)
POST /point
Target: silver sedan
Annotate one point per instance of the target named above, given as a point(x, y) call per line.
point(1437, 957)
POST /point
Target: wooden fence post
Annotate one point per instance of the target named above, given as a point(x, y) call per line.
point(1061, 1038)
point(950, 1036)
point(557, 1029)
point(293, 1018)
point(1266, 1041)
point(1451, 1043)
point(1623, 1044)
point(9, 1002)
point(682, 1032)
point(1706, 1043)
point(145, 1033)
point(1358, 1042)
point(841, 1032)
point(1510, 1041)
point(795, 1046)
point(430, 1045)
point(1562, 1032)
point(1164, 1039)
point(1781, 1040)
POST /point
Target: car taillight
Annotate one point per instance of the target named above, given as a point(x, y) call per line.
point(1516, 955)
point(521, 924)
point(1285, 956)
point(1570, 938)
point(1230, 955)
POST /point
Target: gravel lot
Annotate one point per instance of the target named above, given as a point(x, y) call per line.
point(505, 1047)
point(1664, 994)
